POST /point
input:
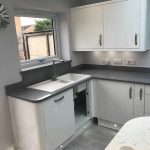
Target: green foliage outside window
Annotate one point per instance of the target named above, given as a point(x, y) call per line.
point(43, 25)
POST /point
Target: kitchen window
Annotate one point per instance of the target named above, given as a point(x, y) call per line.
point(36, 38)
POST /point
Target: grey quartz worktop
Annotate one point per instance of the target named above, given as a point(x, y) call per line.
point(118, 75)
point(34, 95)
point(37, 96)
point(29, 94)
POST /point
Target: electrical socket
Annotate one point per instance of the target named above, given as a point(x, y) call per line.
point(118, 61)
point(131, 62)
point(105, 61)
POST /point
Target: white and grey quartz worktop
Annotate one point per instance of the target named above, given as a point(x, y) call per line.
point(141, 76)
point(134, 135)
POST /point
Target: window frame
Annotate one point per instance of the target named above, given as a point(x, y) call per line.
point(40, 14)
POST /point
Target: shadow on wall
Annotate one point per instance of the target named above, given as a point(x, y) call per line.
point(85, 2)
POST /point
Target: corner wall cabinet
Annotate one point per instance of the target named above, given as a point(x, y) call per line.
point(117, 25)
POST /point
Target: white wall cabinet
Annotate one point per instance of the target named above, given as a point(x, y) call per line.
point(87, 27)
point(117, 25)
point(122, 24)
point(117, 102)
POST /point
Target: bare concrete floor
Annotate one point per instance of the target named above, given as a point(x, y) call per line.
point(94, 138)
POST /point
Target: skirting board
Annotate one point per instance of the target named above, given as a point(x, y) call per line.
point(109, 124)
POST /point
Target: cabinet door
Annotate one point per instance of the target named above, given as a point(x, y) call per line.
point(59, 119)
point(147, 104)
point(147, 99)
point(139, 101)
point(87, 27)
point(121, 24)
point(114, 101)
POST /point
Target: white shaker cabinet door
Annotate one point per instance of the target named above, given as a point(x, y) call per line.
point(122, 24)
point(139, 100)
point(87, 28)
point(114, 100)
point(59, 119)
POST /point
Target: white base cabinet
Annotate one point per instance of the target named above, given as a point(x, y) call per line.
point(114, 101)
point(59, 119)
point(147, 100)
point(45, 125)
point(117, 102)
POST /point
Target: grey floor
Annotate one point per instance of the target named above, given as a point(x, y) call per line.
point(94, 138)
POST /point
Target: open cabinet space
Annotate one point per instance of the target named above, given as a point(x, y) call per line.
point(81, 102)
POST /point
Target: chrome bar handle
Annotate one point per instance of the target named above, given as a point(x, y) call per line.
point(130, 93)
point(100, 39)
point(141, 93)
point(136, 39)
point(58, 100)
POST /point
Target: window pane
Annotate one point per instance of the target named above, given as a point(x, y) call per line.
point(37, 46)
point(35, 37)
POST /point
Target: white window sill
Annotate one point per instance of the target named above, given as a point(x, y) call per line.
point(39, 66)
point(29, 64)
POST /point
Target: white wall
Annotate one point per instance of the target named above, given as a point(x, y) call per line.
point(65, 41)
point(9, 57)
point(61, 8)
point(9, 73)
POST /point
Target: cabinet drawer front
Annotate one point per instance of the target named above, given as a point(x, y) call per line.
point(81, 87)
